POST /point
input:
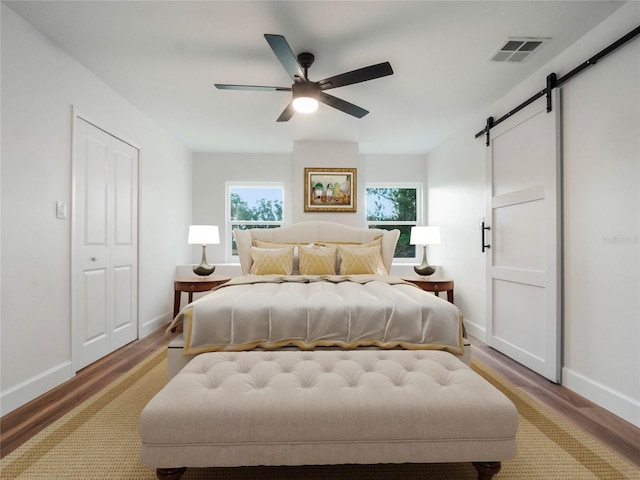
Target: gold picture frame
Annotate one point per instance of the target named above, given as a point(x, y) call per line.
point(330, 189)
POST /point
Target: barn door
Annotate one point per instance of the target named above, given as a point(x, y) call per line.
point(104, 244)
point(523, 261)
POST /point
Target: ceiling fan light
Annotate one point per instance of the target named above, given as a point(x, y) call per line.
point(305, 104)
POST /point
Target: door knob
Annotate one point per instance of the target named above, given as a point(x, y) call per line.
point(94, 259)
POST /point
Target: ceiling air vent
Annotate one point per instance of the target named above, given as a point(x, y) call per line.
point(517, 50)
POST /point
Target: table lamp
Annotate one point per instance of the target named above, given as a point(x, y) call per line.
point(203, 235)
point(424, 236)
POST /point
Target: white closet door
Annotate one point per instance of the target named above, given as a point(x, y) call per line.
point(104, 252)
point(124, 245)
point(523, 263)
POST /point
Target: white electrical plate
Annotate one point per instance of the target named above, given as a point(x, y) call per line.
point(61, 210)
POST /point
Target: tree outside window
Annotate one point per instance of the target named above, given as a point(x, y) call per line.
point(395, 207)
point(256, 205)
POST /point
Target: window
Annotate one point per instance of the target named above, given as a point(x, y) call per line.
point(252, 205)
point(395, 206)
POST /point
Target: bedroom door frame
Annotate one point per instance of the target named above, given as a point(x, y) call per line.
point(117, 257)
point(523, 290)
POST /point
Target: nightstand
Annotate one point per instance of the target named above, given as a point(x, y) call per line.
point(433, 284)
point(194, 284)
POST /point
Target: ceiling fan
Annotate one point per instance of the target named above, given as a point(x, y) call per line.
point(306, 94)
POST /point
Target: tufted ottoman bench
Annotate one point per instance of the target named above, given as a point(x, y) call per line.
point(326, 407)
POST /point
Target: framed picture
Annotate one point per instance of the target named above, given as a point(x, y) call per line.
point(330, 189)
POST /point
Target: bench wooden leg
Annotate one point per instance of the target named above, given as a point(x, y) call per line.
point(486, 470)
point(170, 473)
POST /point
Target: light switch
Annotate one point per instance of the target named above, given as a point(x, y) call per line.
point(61, 210)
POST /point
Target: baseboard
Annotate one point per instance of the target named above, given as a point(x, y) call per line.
point(32, 388)
point(154, 324)
point(616, 402)
point(475, 330)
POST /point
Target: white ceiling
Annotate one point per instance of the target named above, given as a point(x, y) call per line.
point(165, 56)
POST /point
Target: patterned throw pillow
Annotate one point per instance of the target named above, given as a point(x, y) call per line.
point(376, 242)
point(271, 261)
point(377, 246)
point(275, 245)
point(361, 260)
point(317, 260)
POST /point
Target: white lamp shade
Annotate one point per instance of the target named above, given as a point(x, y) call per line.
point(425, 235)
point(203, 235)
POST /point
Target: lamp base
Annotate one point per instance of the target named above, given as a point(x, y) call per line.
point(424, 270)
point(203, 270)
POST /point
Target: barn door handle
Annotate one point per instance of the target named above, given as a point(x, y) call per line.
point(484, 245)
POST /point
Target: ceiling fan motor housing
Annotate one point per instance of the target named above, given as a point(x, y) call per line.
point(304, 88)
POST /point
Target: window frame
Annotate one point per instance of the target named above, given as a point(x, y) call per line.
point(229, 224)
point(419, 187)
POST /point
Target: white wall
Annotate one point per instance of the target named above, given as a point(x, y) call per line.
point(455, 202)
point(602, 228)
point(601, 121)
point(40, 84)
point(210, 173)
point(212, 170)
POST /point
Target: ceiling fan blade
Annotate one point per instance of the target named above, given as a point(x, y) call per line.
point(287, 113)
point(226, 86)
point(342, 105)
point(284, 53)
point(356, 76)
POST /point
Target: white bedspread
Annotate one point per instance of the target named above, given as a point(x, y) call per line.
point(320, 311)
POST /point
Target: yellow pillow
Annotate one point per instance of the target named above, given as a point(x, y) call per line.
point(317, 260)
point(272, 245)
point(362, 260)
point(269, 244)
point(376, 242)
point(271, 261)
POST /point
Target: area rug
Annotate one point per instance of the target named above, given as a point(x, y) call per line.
point(99, 440)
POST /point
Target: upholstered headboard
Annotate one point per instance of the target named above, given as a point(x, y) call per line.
point(309, 232)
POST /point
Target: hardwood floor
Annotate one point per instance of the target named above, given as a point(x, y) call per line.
point(610, 430)
point(21, 424)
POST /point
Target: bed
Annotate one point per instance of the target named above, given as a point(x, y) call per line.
point(316, 285)
point(316, 355)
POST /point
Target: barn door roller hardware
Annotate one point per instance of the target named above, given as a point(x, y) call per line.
point(553, 81)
